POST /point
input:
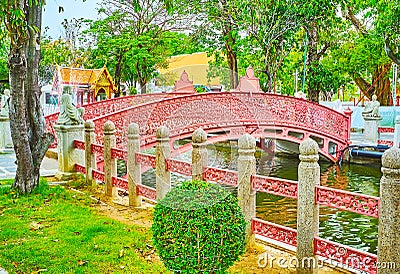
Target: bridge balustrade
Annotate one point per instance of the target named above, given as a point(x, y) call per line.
point(247, 181)
point(105, 107)
point(235, 113)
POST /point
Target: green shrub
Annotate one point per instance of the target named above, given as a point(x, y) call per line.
point(199, 227)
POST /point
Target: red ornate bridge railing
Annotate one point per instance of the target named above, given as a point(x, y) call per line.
point(262, 114)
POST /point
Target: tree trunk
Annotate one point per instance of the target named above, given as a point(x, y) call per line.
point(312, 57)
point(231, 55)
point(268, 72)
point(118, 69)
point(26, 116)
point(380, 85)
point(233, 69)
point(143, 83)
point(364, 86)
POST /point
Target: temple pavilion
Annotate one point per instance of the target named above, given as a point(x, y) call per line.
point(86, 85)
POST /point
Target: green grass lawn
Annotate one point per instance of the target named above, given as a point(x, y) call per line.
point(58, 231)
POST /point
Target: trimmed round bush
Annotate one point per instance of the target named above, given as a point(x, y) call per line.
point(199, 227)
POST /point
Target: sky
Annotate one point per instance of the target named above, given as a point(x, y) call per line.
point(72, 9)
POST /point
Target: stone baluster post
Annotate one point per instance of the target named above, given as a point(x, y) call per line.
point(389, 213)
point(163, 152)
point(396, 139)
point(90, 158)
point(348, 113)
point(199, 154)
point(307, 209)
point(134, 172)
point(110, 164)
point(68, 156)
point(247, 168)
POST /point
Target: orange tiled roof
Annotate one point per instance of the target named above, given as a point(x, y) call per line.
point(79, 76)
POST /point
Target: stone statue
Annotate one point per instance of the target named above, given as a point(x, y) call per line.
point(69, 114)
point(4, 103)
point(372, 108)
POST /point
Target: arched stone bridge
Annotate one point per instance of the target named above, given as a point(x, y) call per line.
point(227, 115)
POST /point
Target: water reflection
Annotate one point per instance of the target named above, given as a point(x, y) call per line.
point(347, 228)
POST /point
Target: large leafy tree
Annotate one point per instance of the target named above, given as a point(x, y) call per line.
point(272, 25)
point(134, 35)
point(366, 52)
point(217, 29)
point(22, 21)
point(319, 20)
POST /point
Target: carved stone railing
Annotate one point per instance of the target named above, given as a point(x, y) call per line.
point(147, 192)
point(250, 183)
point(334, 253)
point(119, 154)
point(385, 129)
point(221, 176)
point(146, 159)
point(276, 186)
point(345, 200)
point(234, 112)
point(275, 232)
point(98, 175)
point(120, 183)
point(105, 107)
point(79, 144)
point(180, 167)
point(80, 168)
point(344, 256)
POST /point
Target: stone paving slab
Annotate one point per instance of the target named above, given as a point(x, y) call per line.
point(8, 167)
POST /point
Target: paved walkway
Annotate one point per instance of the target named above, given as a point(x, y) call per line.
point(8, 167)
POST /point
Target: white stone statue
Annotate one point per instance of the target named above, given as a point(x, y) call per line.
point(69, 114)
point(372, 108)
point(4, 103)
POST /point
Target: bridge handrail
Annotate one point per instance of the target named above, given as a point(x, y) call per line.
point(221, 176)
point(276, 186)
point(111, 105)
point(348, 201)
point(337, 253)
point(261, 110)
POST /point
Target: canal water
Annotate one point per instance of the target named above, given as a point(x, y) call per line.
point(347, 228)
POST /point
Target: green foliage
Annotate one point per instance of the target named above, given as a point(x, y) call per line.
point(199, 227)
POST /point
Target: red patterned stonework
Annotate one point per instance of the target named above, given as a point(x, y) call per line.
point(79, 144)
point(120, 183)
point(98, 149)
point(345, 200)
point(98, 175)
point(80, 169)
point(119, 154)
point(276, 186)
point(345, 256)
point(105, 107)
point(385, 129)
point(233, 113)
point(221, 176)
point(180, 167)
point(147, 192)
point(275, 232)
point(146, 159)
point(385, 142)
